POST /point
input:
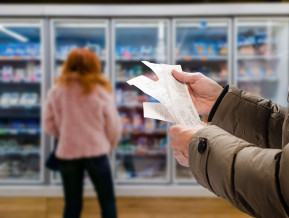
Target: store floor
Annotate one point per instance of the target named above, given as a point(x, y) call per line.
point(128, 207)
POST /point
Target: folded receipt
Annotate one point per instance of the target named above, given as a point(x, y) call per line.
point(175, 104)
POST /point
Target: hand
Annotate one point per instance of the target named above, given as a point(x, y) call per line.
point(204, 92)
point(181, 136)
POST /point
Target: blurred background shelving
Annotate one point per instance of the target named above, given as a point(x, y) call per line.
point(20, 102)
point(142, 154)
point(251, 53)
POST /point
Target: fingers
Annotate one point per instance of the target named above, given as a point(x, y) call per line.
point(186, 77)
point(155, 78)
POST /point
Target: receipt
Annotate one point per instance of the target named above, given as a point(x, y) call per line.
point(157, 111)
point(175, 104)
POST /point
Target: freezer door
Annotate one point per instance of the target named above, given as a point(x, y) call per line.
point(262, 57)
point(20, 97)
point(142, 154)
point(201, 45)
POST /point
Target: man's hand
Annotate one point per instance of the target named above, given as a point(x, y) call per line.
point(181, 136)
point(203, 91)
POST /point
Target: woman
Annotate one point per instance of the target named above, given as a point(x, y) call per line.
point(81, 114)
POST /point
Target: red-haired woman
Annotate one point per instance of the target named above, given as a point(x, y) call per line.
point(81, 114)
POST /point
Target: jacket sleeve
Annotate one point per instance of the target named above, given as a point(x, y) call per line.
point(113, 126)
point(49, 118)
point(251, 118)
point(253, 179)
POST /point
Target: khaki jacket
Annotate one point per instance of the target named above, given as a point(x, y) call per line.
point(244, 155)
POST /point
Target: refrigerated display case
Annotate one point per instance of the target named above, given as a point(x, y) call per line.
point(201, 45)
point(81, 33)
point(142, 154)
point(262, 57)
point(21, 138)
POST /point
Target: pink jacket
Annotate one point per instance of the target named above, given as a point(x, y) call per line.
point(86, 126)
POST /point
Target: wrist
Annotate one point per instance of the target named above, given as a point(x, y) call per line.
point(217, 103)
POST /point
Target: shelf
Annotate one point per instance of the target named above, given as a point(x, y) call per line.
point(251, 79)
point(20, 107)
point(19, 83)
point(64, 59)
point(130, 107)
point(4, 131)
point(136, 132)
point(19, 153)
point(142, 153)
point(258, 57)
point(15, 58)
point(201, 58)
point(128, 60)
point(20, 112)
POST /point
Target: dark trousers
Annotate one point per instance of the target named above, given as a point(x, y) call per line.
point(98, 168)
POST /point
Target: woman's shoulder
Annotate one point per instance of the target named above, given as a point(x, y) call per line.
point(102, 93)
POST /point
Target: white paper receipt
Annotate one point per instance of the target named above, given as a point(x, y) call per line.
point(175, 104)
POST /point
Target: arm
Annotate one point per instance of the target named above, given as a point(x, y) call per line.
point(49, 119)
point(253, 179)
point(113, 127)
point(251, 118)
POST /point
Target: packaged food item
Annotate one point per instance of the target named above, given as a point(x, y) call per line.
point(119, 96)
point(137, 123)
point(38, 73)
point(130, 98)
point(211, 49)
point(126, 123)
point(7, 73)
point(222, 48)
point(19, 75)
point(150, 125)
point(200, 48)
point(14, 99)
point(5, 99)
point(242, 72)
point(24, 99)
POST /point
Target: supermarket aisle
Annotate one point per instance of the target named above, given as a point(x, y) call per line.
point(127, 208)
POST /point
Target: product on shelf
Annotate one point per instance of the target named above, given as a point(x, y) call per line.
point(119, 96)
point(200, 48)
point(223, 48)
point(28, 99)
point(130, 98)
point(14, 99)
point(20, 51)
point(7, 73)
point(137, 123)
point(126, 123)
point(150, 125)
point(129, 52)
point(19, 75)
point(211, 49)
point(5, 99)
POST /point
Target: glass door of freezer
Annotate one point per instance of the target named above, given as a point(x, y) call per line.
point(142, 154)
point(70, 34)
point(262, 57)
point(201, 45)
point(21, 71)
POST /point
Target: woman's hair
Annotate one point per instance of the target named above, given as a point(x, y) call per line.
point(84, 66)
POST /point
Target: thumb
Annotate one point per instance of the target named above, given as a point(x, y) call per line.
point(186, 77)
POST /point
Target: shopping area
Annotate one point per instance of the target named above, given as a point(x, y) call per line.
point(244, 45)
